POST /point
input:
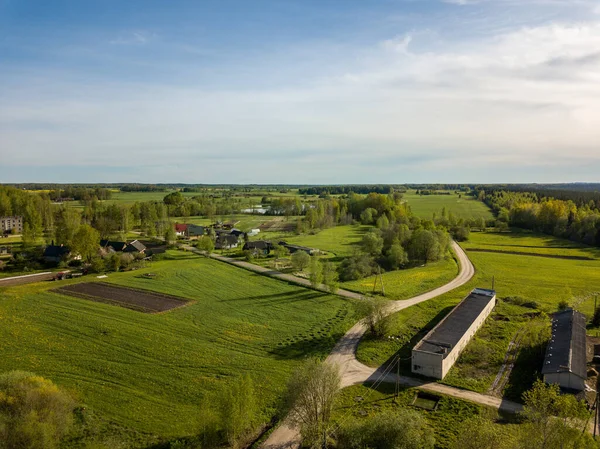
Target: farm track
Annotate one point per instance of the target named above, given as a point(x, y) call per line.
point(507, 365)
point(343, 355)
point(26, 279)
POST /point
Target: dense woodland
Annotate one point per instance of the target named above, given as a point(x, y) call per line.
point(567, 218)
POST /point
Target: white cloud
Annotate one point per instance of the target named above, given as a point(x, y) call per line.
point(133, 38)
point(525, 98)
point(398, 44)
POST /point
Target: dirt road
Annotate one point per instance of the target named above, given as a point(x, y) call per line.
point(275, 274)
point(353, 372)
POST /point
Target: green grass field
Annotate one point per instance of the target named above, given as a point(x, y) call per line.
point(151, 373)
point(403, 284)
point(536, 277)
point(425, 206)
point(340, 241)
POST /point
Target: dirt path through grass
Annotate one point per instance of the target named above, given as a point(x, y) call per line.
point(352, 372)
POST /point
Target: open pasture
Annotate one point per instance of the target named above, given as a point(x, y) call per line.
point(341, 241)
point(542, 281)
point(460, 205)
point(134, 299)
point(404, 284)
point(153, 373)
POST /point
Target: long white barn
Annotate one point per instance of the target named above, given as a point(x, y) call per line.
point(435, 354)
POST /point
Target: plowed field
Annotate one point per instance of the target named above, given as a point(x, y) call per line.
point(140, 300)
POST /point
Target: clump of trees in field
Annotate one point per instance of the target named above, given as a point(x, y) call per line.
point(34, 413)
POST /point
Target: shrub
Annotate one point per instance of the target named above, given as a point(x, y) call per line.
point(34, 413)
point(391, 429)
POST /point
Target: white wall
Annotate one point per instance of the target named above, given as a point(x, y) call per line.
point(565, 380)
point(427, 364)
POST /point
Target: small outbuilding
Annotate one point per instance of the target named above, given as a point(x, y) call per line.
point(565, 363)
point(437, 352)
point(56, 253)
point(259, 246)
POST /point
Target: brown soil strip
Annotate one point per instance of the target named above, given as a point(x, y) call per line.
point(140, 300)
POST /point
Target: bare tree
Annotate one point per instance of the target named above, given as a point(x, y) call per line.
point(311, 394)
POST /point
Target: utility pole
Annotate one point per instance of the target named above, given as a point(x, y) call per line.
point(398, 377)
point(493, 282)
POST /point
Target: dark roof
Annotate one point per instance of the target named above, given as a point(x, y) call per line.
point(566, 351)
point(137, 245)
point(56, 251)
point(237, 232)
point(259, 244)
point(229, 238)
point(296, 247)
point(117, 246)
point(448, 332)
point(195, 229)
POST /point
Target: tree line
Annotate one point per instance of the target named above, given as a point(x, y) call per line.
point(560, 218)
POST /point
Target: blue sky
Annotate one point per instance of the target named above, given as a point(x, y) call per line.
point(345, 91)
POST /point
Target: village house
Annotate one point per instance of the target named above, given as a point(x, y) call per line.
point(57, 253)
point(123, 247)
point(181, 230)
point(226, 241)
point(259, 247)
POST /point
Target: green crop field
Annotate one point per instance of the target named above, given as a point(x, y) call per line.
point(403, 284)
point(151, 373)
point(425, 206)
point(546, 276)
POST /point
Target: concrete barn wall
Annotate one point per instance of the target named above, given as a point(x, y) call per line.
point(427, 364)
point(565, 380)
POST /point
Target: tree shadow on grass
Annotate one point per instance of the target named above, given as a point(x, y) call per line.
point(276, 298)
point(301, 347)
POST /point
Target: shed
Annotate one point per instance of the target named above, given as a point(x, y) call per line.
point(565, 363)
point(437, 352)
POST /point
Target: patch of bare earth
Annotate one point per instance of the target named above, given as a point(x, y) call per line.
point(130, 298)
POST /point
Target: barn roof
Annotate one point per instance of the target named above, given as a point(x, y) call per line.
point(448, 332)
point(566, 352)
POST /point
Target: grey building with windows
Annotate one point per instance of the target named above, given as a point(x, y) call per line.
point(7, 224)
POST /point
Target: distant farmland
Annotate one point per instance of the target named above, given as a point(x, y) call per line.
point(425, 206)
